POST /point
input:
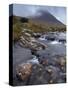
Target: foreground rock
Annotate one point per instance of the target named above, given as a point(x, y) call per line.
point(24, 71)
point(43, 73)
point(46, 75)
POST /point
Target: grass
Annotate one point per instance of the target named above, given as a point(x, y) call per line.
point(19, 25)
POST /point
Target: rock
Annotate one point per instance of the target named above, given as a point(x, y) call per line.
point(49, 71)
point(44, 75)
point(24, 71)
point(53, 73)
point(27, 41)
point(37, 76)
point(62, 40)
point(44, 62)
point(61, 61)
point(47, 60)
point(50, 37)
point(36, 35)
point(27, 34)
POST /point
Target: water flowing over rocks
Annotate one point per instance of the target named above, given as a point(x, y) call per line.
point(39, 61)
point(44, 72)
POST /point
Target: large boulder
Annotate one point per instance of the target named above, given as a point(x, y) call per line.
point(24, 71)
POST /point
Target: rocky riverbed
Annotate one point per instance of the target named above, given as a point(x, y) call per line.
point(46, 66)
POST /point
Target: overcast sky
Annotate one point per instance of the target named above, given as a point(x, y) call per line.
point(32, 10)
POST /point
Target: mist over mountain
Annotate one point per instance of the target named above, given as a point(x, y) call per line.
point(45, 17)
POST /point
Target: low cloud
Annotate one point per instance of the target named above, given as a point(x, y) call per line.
point(34, 10)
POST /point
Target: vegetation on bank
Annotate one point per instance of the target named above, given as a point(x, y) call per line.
point(21, 23)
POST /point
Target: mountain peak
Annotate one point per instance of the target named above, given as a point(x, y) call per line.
point(45, 17)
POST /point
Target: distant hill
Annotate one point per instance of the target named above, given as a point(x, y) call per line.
point(46, 18)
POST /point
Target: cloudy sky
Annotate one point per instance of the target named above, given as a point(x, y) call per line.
point(32, 10)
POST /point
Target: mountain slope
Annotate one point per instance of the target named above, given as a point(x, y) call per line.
point(45, 17)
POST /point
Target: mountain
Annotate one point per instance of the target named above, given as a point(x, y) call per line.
point(43, 22)
point(45, 17)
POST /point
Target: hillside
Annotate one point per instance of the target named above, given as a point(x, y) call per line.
point(43, 23)
point(46, 18)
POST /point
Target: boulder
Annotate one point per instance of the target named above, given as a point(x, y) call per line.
point(44, 62)
point(23, 71)
point(53, 73)
point(61, 61)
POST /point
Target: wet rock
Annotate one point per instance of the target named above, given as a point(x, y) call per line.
point(24, 71)
point(62, 40)
point(44, 75)
point(27, 41)
point(61, 61)
point(48, 60)
point(37, 76)
point(50, 37)
point(44, 61)
point(53, 73)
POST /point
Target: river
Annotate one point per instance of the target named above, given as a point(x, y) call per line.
point(21, 55)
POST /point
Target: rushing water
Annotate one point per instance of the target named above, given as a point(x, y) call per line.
point(21, 55)
point(55, 47)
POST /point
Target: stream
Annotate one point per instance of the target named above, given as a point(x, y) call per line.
point(54, 47)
